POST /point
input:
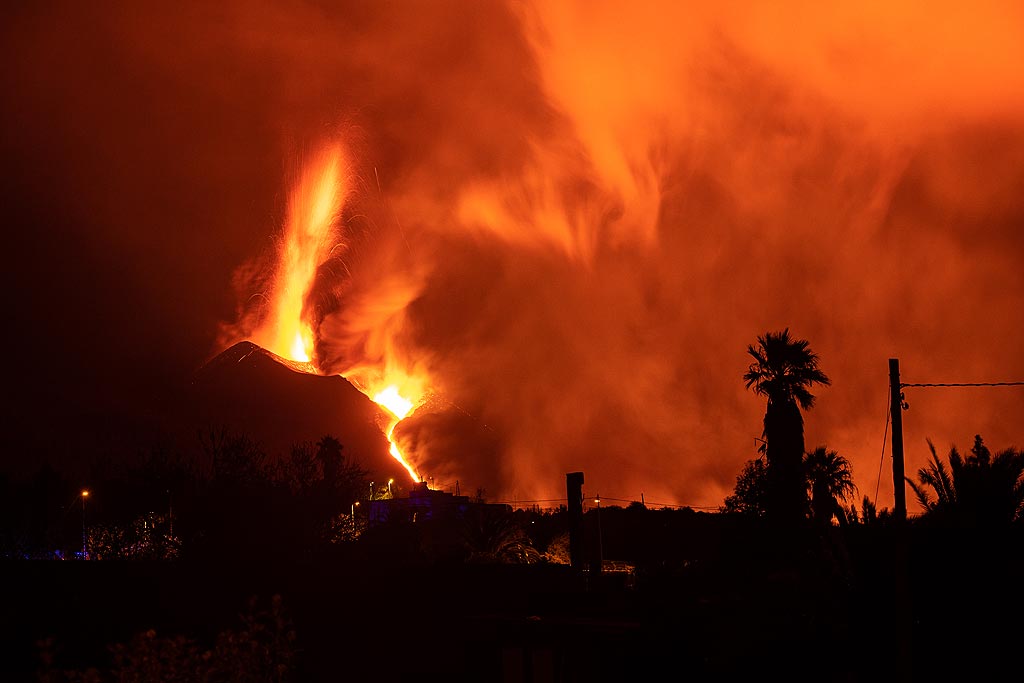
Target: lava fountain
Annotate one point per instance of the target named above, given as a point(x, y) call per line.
point(313, 209)
point(312, 236)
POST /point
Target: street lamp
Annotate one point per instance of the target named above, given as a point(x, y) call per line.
point(85, 543)
point(354, 515)
point(600, 539)
point(390, 482)
point(371, 490)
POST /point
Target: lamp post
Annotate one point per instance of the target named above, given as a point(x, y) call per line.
point(85, 539)
point(371, 490)
point(354, 515)
point(600, 538)
point(390, 482)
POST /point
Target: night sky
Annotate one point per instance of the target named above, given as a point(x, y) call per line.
point(570, 220)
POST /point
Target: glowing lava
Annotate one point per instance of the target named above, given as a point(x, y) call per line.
point(311, 237)
point(393, 401)
point(399, 393)
point(314, 206)
point(399, 406)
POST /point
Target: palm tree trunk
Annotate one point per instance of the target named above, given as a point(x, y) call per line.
point(784, 432)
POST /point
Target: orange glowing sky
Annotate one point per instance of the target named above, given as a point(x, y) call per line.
point(560, 222)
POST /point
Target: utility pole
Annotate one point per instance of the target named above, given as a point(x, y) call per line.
point(903, 612)
point(896, 405)
point(574, 494)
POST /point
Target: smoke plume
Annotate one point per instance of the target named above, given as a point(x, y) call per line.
point(564, 222)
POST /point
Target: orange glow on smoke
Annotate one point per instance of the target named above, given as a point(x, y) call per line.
point(577, 231)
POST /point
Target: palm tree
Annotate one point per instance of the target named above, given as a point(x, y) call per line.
point(783, 371)
point(328, 452)
point(977, 490)
point(830, 480)
point(868, 514)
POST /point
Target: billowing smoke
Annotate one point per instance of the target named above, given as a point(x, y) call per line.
point(569, 219)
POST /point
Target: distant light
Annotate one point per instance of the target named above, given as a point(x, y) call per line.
point(85, 493)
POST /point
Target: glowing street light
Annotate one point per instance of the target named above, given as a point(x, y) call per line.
point(354, 515)
point(390, 482)
point(85, 542)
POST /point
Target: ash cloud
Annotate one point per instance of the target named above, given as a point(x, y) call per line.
point(574, 216)
point(670, 189)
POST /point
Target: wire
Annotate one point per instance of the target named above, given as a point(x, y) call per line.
point(682, 507)
point(666, 505)
point(888, 410)
point(963, 384)
point(885, 433)
point(541, 500)
point(617, 500)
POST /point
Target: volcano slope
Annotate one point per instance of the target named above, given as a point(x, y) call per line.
point(247, 390)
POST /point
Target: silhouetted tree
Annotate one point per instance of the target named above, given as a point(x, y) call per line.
point(827, 476)
point(300, 471)
point(146, 537)
point(783, 371)
point(320, 485)
point(977, 490)
point(328, 452)
point(830, 481)
point(233, 459)
point(262, 648)
point(38, 516)
point(748, 497)
point(868, 514)
point(491, 534)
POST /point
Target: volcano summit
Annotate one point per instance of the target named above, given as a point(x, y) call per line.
point(279, 403)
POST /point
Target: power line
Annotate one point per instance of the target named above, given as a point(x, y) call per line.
point(617, 500)
point(667, 505)
point(962, 384)
point(903, 405)
point(681, 507)
point(539, 500)
point(885, 433)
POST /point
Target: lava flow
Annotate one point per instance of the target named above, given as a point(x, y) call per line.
point(400, 407)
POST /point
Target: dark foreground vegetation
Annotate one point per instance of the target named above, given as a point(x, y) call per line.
point(694, 596)
point(226, 565)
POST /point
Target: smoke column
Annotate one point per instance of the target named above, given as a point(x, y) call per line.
point(568, 220)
